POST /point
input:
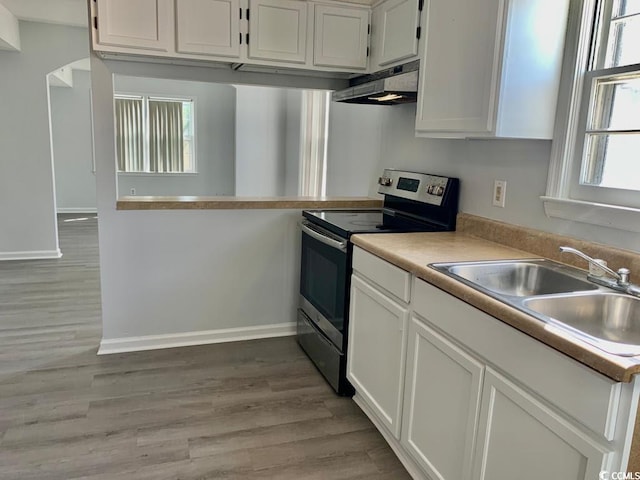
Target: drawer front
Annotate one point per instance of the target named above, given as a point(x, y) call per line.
point(580, 392)
point(326, 356)
point(393, 279)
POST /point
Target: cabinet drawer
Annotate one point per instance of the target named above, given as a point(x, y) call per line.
point(580, 392)
point(393, 279)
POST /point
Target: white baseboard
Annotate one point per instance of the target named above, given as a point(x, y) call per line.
point(77, 210)
point(33, 255)
point(155, 342)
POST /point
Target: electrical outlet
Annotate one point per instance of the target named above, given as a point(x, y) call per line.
point(133, 191)
point(499, 193)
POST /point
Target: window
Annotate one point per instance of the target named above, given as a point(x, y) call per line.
point(596, 155)
point(154, 135)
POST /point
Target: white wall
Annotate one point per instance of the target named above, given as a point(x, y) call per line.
point(168, 272)
point(215, 106)
point(184, 271)
point(27, 197)
point(72, 145)
point(523, 164)
point(354, 149)
point(261, 141)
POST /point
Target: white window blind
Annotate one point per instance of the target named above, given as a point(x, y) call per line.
point(154, 135)
point(129, 134)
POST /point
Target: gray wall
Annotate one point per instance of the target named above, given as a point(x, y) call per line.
point(524, 164)
point(27, 197)
point(261, 116)
point(215, 133)
point(353, 150)
point(167, 272)
point(72, 145)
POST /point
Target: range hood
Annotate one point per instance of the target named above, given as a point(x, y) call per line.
point(388, 87)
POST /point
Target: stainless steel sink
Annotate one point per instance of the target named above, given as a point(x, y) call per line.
point(610, 321)
point(519, 278)
point(560, 296)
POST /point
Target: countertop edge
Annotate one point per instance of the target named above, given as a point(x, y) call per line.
point(611, 366)
point(243, 203)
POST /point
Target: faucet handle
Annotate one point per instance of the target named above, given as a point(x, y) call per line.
point(624, 276)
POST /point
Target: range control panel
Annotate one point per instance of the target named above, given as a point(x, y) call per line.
point(421, 187)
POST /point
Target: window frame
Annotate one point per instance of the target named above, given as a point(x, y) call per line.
point(145, 108)
point(573, 109)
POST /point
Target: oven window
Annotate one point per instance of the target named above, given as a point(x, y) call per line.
point(323, 279)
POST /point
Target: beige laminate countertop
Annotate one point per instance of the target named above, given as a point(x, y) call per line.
point(242, 203)
point(414, 251)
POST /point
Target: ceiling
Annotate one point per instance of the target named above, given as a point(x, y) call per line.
point(61, 12)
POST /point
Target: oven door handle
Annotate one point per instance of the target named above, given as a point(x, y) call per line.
point(337, 244)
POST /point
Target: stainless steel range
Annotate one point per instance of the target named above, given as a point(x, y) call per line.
point(413, 202)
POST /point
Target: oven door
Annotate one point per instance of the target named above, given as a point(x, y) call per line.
point(324, 278)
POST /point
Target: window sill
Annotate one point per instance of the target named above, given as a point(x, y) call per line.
point(611, 216)
point(157, 174)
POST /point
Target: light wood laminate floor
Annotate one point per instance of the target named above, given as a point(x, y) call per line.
point(247, 410)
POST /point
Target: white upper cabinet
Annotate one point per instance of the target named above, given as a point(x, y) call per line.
point(301, 34)
point(395, 32)
point(139, 24)
point(278, 30)
point(459, 68)
point(341, 37)
point(491, 68)
point(208, 27)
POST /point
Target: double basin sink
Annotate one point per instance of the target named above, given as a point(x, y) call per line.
point(560, 296)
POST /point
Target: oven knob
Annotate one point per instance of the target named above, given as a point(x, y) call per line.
point(430, 189)
point(438, 190)
point(385, 181)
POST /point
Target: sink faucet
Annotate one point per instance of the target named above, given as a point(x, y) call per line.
point(619, 280)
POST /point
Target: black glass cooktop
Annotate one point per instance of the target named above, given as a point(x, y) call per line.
point(347, 222)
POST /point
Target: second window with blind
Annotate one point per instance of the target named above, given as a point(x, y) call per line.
point(154, 134)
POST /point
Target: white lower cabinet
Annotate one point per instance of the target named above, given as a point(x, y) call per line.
point(460, 395)
point(376, 353)
point(441, 404)
point(522, 438)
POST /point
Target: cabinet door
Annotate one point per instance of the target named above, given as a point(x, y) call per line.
point(209, 27)
point(395, 31)
point(522, 438)
point(341, 37)
point(441, 404)
point(459, 70)
point(278, 30)
point(140, 24)
point(376, 352)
